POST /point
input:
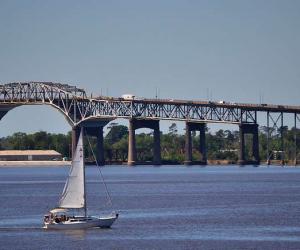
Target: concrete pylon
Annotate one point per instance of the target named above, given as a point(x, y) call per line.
point(131, 144)
point(255, 144)
point(136, 124)
point(98, 133)
point(202, 146)
point(156, 145)
point(100, 147)
point(75, 137)
point(253, 130)
point(188, 145)
point(242, 147)
point(192, 126)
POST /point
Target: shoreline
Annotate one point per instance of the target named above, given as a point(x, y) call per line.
point(34, 163)
point(68, 163)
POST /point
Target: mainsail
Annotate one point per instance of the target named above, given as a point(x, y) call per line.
point(73, 195)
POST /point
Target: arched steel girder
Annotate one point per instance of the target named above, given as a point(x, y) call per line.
point(5, 109)
point(68, 100)
point(88, 122)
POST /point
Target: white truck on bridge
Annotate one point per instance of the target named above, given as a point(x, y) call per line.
point(128, 97)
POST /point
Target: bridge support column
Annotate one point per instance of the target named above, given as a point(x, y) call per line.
point(242, 147)
point(188, 142)
point(255, 145)
point(95, 128)
point(188, 145)
point(98, 133)
point(249, 129)
point(136, 124)
point(156, 149)
point(295, 138)
point(75, 137)
point(202, 145)
point(131, 144)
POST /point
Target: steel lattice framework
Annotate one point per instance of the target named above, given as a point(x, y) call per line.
point(77, 107)
point(158, 109)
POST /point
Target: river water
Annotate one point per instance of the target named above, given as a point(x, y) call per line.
point(169, 207)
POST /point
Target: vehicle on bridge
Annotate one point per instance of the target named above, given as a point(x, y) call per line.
point(128, 96)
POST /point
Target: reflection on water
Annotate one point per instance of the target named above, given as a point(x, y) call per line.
point(75, 234)
point(160, 207)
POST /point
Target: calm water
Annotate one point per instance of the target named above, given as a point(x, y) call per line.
point(160, 208)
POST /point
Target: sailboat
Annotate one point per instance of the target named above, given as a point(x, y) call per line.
point(73, 199)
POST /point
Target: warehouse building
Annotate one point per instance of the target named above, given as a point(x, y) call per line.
point(30, 155)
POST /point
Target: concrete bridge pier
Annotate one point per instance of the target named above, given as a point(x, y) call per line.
point(202, 146)
point(131, 144)
point(75, 137)
point(100, 148)
point(156, 145)
point(91, 128)
point(249, 129)
point(98, 133)
point(188, 142)
point(188, 145)
point(90, 131)
point(136, 124)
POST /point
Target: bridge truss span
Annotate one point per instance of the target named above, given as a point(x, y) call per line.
point(61, 96)
point(37, 91)
point(74, 103)
point(170, 111)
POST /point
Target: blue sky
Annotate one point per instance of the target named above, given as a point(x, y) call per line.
point(239, 51)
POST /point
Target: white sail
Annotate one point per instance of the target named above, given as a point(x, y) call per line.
point(73, 195)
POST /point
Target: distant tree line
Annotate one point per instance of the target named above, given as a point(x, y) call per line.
point(39, 140)
point(221, 145)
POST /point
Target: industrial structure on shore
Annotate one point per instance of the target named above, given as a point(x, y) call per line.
point(30, 155)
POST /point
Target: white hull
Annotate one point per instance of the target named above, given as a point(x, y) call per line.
point(83, 223)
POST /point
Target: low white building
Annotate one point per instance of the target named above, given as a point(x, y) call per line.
point(30, 155)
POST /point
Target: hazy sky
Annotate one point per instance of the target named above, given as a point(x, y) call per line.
point(239, 51)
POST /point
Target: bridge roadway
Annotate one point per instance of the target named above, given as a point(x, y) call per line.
point(212, 104)
point(95, 113)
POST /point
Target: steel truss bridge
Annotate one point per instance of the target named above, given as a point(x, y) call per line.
point(79, 109)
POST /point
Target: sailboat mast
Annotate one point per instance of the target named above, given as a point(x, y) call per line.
point(84, 192)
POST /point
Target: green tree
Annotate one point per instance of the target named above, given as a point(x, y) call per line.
point(116, 133)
